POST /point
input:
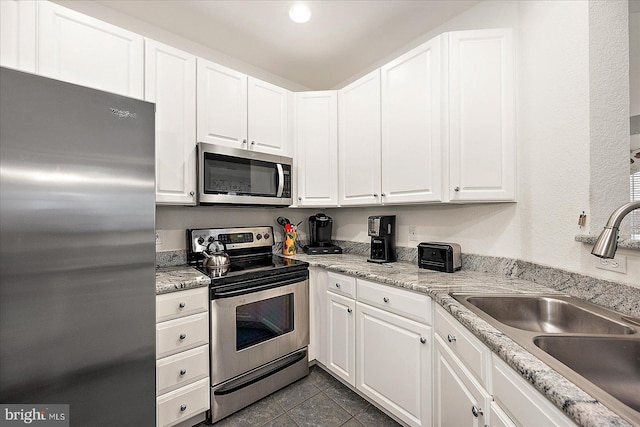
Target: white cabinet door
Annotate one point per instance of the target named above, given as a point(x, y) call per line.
point(341, 341)
point(268, 118)
point(393, 364)
point(411, 140)
point(459, 401)
point(482, 115)
point(170, 82)
point(359, 148)
point(222, 105)
point(79, 49)
point(316, 133)
point(18, 34)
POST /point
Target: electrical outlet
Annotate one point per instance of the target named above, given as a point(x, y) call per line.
point(413, 233)
point(158, 237)
point(617, 264)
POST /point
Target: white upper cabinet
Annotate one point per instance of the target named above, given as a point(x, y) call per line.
point(18, 34)
point(170, 82)
point(222, 105)
point(316, 134)
point(79, 49)
point(411, 140)
point(481, 115)
point(238, 111)
point(359, 147)
point(268, 117)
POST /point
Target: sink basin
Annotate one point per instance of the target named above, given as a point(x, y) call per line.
point(611, 363)
point(544, 314)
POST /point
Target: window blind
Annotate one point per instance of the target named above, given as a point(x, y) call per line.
point(635, 215)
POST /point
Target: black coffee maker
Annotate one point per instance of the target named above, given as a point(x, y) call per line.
point(382, 229)
point(320, 226)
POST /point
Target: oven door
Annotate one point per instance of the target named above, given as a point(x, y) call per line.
point(256, 325)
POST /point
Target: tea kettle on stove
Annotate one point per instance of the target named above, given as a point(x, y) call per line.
point(217, 262)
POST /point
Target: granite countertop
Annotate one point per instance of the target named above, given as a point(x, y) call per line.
point(573, 401)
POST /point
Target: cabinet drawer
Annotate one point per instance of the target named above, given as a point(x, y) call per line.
point(182, 404)
point(181, 334)
point(343, 285)
point(468, 348)
point(181, 369)
point(182, 303)
point(525, 405)
point(405, 303)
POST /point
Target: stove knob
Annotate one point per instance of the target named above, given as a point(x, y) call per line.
point(266, 235)
point(258, 236)
point(210, 239)
point(200, 240)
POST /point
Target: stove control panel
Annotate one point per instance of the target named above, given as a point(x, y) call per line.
point(233, 238)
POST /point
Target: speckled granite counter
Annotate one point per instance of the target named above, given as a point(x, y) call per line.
point(506, 276)
point(573, 401)
point(172, 279)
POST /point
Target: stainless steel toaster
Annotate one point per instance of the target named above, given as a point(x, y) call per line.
point(440, 256)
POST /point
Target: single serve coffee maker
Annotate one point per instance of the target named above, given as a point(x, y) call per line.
point(382, 230)
point(320, 226)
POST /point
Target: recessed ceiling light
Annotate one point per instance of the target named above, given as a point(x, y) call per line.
point(299, 13)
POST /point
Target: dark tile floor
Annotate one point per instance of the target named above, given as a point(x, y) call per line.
point(318, 400)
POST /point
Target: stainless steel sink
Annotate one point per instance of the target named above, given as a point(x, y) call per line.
point(545, 314)
point(611, 363)
point(595, 348)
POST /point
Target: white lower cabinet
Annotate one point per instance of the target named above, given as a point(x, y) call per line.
point(341, 342)
point(459, 399)
point(393, 363)
point(182, 351)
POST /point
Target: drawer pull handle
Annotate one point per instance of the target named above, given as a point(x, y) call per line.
point(183, 407)
point(337, 285)
point(423, 340)
point(476, 411)
point(385, 299)
point(349, 310)
point(183, 336)
point(182, 305)
point(451, 338)
point(183, 372)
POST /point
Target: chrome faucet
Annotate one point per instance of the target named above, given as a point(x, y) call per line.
point(607, 242)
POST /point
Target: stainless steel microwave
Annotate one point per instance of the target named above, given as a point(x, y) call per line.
point(242, 177)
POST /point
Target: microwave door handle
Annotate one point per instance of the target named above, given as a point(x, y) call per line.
point(280, 180)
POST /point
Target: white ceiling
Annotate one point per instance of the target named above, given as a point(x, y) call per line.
point(342, 38)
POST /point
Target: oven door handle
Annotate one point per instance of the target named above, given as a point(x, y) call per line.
point(237, 291)
point(280, 180)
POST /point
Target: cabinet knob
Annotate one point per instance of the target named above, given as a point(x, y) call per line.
point(182, 304)
point(349, 310)
point(382, 194)
point(456, 189)
point(451, 338)
point(183, 336)
point(299, 198)
point(183, 407)
point(253, 143)
point(423, 340)
point(385, 299)
point(476, 411)
point(183, 372)
point(337, 285)
point(244, 141)
point(192, 193)
point(375, 194)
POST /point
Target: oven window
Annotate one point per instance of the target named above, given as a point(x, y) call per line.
point(263, 320)
point(239, 176)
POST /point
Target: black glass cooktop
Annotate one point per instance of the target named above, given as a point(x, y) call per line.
point(249, 268)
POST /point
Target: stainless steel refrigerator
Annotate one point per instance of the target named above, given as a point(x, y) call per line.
point(77, 250)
